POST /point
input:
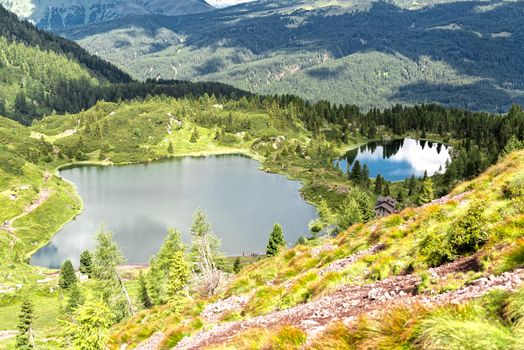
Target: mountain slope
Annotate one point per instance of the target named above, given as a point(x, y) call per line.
point(373, 54)
point(56, 14)
point(23, 32)
point(42, 73)
point(475, 232)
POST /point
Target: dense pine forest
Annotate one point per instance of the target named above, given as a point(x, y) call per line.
point(42, 74)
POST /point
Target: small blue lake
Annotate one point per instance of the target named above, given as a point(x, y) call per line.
point(397, 160)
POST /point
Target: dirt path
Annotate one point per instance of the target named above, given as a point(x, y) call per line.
point(351, 301)
point(42, 197)
point(7, 226)
point(4, 335)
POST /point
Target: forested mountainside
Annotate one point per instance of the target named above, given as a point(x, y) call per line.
point(56, 14)
point(23, 32)
point(41, 74)
point(373, 54)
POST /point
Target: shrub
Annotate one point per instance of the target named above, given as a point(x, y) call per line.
point(468, 233)
point(465, 236)
point(436, 249)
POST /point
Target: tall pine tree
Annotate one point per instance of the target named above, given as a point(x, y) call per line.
point(75, 299)
point(179, 274)
point(67, 275)
point(412, 185)
point(86, 263)
point(237, 266)
point(378, 184)
point(106, 258)
point(143, 294)
point(365, 176)
point(24, 338)
point(276, 241)
point(356, 173)
point(426, 193)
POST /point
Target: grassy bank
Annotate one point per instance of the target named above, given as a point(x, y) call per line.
point(137, 132)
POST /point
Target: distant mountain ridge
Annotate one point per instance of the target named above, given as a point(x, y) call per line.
point(370, 53)
point(55, 14)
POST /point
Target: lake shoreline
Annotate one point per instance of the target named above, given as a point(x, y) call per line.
point(258, 168)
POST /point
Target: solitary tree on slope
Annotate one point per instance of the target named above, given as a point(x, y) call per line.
point(67, 275)
point(276, 241)
point(25, 339)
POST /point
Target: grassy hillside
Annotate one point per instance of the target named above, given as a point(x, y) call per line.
point(397, 248)
point(35, 202)
point(372, 54)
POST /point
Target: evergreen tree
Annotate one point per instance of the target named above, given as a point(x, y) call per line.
point(67, 275)
point(194, 136)
point(170, 148)
point(365, 176)
point(412, 185)
point(21, 106)
point(350, 213)
point(425, 176)
point(426, 193)
point(365, 206)
point(160, 266)
point(3, 109)
point(90, 327)
point(24, 338)
point(513, 144)
point(378, 184)
point(400, 196)
point(237, 266)
point(143, 294)
point(106, 258)
point(356, 173)
point(179, 273)
point(386, 192)
point(75, 299)
point(326, 218)
point(276, 241)
point(86, 263)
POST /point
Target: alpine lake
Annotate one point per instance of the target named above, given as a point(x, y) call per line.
point(139, 202)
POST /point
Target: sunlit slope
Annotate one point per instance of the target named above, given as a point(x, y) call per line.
point(426, 252)
point(34, 203)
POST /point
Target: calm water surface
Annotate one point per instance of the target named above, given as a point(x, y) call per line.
point(399, 159)
point(139, 202)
